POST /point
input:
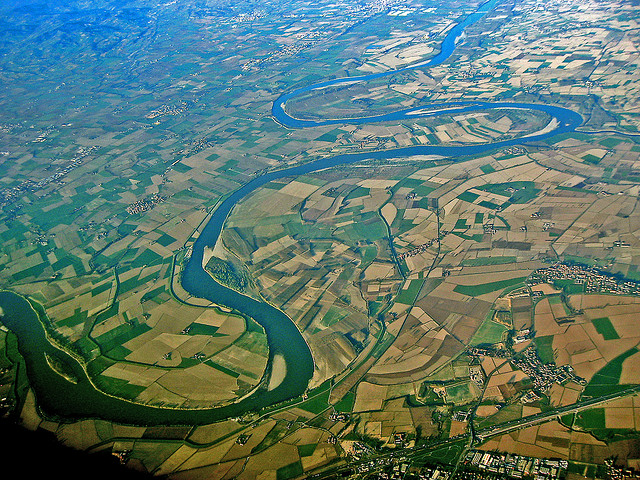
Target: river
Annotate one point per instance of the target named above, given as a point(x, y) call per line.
point(60, 397)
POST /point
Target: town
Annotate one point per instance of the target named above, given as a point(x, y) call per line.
point(511, 466)
point(592, 279)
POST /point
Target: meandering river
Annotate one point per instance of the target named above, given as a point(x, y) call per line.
point(287, 347)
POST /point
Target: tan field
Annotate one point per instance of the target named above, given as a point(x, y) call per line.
point(410, 277)
point(369, 397)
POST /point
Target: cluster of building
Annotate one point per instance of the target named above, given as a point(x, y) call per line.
point(621, 243)
point(10, 195)
point(86, 229)
point(42, 137)
point(168, 110)
point(419, 249)
point(145, 204)
point(243, 438)
point(477, 375)
point(515, 466)
point(6, 405)
point(515, 150)
point(122, 455)
point(192, 148)
point(303, 42)
point(400, 470)
point(489, 351)
point(422, 248)
point(620, 473)
point(6, 401)
point(544, 375)
point(249, 17)
point(360, 450)
point(522, 336)
point(461, 416)
point(373, 141)
point(476, 465)
point(374, 7)
point(339, 417)
point(593, 279)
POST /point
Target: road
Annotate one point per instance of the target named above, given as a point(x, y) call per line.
point(374, 462)
point(550, 415)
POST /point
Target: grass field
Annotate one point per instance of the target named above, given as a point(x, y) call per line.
point(483, 288)
point(347, 403)
point(517, 192)
point(590, 419)
point(408, 295)
point(316, 404)
point(544, 345)
point(505, 414)
point(290, 471)
point(607, 379)
point(605, 328)
point(489, 332)
point(461, 393)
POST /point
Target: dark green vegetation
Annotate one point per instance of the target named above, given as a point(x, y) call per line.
point(290, 471)
point(316, 404)
point(409, 294)
point(544, 346)
point(605, 328)
point(490, 332)
point(607, 379)
point(136, 121)
point(481, 289)
point(516, 192)
point(230, 274)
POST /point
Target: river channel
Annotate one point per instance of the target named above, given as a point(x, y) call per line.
point(60, 397)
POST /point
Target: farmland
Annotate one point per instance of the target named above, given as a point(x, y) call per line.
point(440, 294)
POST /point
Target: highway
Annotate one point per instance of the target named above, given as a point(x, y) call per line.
point(550, 415)
point(377, 461)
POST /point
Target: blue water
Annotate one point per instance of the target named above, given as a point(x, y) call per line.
point(57, 396)
point(283, 336)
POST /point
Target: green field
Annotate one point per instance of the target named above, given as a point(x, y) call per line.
point(408, 295)
point(590, 419)
point(606, 380)
point(544, 345)
point(334, 315)
point(517, 192)
point(290, 471)
point(461, 393)
point(505, 414)
point(605, 328)
point(202, 329)
point(306, 450)
point(489, 332)
point(591, 159)
point(316, 404)
point(346, 404)
point(468, 196)
point(461, 224)
point(483, 288)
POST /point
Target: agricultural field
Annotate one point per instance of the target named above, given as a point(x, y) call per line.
point(446, 299)
point(392, 324)
point(146, 346)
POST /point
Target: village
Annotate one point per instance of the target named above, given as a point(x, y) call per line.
point(592, 279)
